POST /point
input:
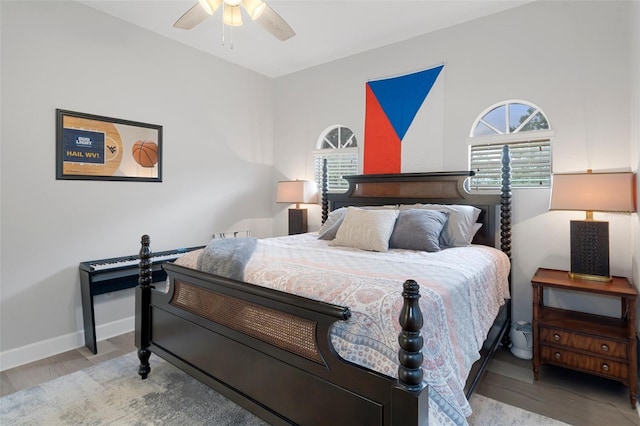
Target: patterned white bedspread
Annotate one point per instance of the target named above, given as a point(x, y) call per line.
point(461, 291)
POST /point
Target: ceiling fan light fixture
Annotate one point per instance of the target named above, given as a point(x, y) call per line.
point(254, 8)
point(210, 6)
point(232, 15)
point(258, 10)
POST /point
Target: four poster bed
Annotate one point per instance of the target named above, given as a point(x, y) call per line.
point(315, 339)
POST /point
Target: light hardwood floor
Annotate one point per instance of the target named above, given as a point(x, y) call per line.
point(32, 374)
point(572, 397)
point(569, 396)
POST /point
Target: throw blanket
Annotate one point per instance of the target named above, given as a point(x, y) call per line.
point(227, 257)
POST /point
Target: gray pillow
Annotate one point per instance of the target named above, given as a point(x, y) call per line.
point(330, 227)
point(459, 230)
point(418, 229)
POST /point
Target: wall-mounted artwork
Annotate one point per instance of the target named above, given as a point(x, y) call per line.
point(391, 106)
point(103, 148)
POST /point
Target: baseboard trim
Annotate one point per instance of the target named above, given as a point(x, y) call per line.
point(50, 347)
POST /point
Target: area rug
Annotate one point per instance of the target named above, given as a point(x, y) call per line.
point(111, 393)
point(489, 412)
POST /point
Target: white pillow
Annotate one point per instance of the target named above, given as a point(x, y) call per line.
point(329, 229)
point(366, 229)
point(459, 230)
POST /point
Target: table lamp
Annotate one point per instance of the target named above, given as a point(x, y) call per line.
point(297, 192)
point(602, 192)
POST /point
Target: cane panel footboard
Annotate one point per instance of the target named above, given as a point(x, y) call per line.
point(282, 330)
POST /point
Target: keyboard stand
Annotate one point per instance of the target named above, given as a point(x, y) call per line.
point(94, 282)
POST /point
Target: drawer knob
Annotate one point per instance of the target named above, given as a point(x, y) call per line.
point(556, 337)
point(605, 367)
point(605, 348)
point(556, 355)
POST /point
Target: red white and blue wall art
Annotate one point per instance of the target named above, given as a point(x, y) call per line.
point(391, 106)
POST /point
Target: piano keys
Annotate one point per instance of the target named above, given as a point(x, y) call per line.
point(114, 274)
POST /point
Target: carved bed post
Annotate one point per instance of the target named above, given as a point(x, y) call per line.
point(143, 307)
point(505, 203)
point(410, 353)
point(505, 228)
point(325, 191)
point(411, 406)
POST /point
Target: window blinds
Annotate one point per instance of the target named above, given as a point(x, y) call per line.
point(530, 165)
point(342, 162)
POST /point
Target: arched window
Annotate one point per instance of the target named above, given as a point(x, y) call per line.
point(525, 128)
point(339, 146)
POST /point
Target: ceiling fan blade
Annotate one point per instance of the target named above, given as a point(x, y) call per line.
point(274, 23)
point(191, 18)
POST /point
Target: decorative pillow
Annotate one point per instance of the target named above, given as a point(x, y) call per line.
point(418, 229)
point(366, 229)
point(459, 230)
point(330, 226)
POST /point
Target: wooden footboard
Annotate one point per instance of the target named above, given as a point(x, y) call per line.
point(271, 352)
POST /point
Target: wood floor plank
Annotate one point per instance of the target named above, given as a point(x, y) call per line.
point(566, 395)
point(6, 387)
point(35, 373)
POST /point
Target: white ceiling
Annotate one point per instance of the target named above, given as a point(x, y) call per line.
point(325, 30)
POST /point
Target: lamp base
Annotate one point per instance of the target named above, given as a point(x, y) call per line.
point(297, 221)
point(602, 279)
point(590, 250)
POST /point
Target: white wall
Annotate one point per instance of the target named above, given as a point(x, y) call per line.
point(545, 52)
point(218, 172)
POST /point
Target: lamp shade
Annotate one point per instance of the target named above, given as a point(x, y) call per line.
point(297, 191)
point(232, 15)
point(602, 192)
point(210, 6)
point(254, 8)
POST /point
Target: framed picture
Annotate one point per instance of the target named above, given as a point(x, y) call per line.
point(103, 148)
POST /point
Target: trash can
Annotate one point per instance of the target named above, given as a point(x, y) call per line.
point(522, 339)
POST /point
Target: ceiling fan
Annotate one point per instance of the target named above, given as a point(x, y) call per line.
point(258, 10)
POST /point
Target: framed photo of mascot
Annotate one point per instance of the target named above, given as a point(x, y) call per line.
point(93, 147)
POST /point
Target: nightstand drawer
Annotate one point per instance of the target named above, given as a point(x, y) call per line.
point(596, 345)
point(588, 363)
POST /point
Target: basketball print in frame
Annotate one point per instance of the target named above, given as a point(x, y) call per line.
point(93, 147)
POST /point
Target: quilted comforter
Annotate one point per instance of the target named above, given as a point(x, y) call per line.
point(461, 291)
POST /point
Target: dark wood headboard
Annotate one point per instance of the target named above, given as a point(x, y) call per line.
point(434, 188)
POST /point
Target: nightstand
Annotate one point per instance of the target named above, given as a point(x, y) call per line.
point(594, 344)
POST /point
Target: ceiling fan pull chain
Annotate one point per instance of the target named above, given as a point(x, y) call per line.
point(222, 30)
point(224, 6)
